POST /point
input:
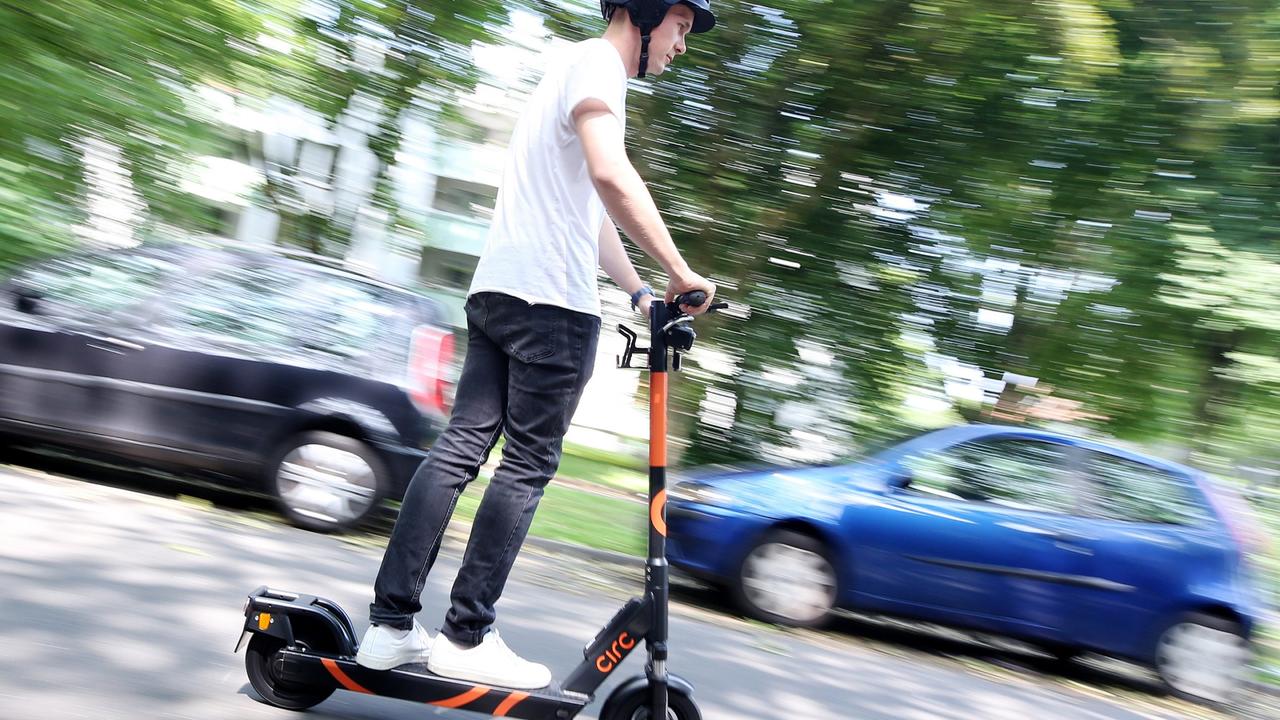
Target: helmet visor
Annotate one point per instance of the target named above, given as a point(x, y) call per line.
point(703, 18)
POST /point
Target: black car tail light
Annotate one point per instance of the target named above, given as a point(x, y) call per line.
point(431, 369)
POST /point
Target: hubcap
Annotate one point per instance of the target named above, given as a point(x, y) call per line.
point(790, 582)
point(1202, 661)
point(326, 483)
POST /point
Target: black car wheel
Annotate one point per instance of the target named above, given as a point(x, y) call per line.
point(1203, 657)
point(787, 578)
point(327, 482)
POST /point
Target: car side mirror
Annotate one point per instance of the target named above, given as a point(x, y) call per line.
point(28, 299)
point(899, 478)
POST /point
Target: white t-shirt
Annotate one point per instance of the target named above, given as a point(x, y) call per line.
point(543, 243)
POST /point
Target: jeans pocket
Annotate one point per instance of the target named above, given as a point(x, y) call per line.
point(533, 334)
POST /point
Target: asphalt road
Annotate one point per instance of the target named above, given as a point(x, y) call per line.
point(119, 603)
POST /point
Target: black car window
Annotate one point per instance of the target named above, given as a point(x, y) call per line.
point(279, 310)
point(85, 290)
point(343, 317)
point(1123, 489)
point(231, 307)
point(1014, 473)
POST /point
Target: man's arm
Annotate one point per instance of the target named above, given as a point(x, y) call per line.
point(614, 260)
point(627, 198)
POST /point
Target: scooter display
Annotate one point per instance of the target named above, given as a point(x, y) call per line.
point(302, 648)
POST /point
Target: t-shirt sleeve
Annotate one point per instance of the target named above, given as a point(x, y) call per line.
point(595, 75)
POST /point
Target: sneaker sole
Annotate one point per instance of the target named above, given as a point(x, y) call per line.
point(481, 678)
point(386, 663)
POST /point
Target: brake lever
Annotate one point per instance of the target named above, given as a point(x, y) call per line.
point(677, 321)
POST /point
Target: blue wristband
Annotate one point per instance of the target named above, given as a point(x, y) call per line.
point(635, 296)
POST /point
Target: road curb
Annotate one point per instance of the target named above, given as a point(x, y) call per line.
point(460, 532)
point(589, 553)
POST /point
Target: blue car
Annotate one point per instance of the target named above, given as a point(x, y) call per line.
point(1068, 543)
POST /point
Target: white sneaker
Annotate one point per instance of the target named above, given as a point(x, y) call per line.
point(385, 647)
point(490, 663)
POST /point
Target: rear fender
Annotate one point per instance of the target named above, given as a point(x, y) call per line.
point(298, 620)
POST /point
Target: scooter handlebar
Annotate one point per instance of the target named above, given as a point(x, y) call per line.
point(696, 298)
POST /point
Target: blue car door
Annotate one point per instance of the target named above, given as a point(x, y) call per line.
point(976, 535)
point(1148, 539)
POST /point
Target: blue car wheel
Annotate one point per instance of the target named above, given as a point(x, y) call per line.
point(787, 578)
point(1203, 657)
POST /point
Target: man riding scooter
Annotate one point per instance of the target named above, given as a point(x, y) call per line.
point(533, 317)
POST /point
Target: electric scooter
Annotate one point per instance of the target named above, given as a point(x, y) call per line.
point(301, 648)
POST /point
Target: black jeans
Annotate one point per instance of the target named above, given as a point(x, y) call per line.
point(525, 370)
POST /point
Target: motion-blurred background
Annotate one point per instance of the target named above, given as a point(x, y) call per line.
point(1061, 214)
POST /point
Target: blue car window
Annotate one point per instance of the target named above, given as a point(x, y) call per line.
point(1013, 473)
point(1122, 489)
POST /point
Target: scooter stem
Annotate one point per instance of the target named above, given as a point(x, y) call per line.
point(656, 570)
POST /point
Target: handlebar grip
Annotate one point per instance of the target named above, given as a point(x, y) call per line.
point(694, 298)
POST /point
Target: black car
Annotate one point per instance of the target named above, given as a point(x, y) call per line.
point(322, 384)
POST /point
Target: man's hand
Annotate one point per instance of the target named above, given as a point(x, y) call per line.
point(688, 282)
point(642, 305)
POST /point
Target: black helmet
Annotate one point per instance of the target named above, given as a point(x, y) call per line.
point(652, 12)
point(648, 14)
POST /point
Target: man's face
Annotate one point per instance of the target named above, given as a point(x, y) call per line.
point(667, 40)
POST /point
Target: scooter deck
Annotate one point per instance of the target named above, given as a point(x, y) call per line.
point(415, 682)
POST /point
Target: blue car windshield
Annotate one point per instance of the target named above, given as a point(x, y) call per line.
point(878, 444)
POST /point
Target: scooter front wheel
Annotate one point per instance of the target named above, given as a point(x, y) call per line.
point(260, 665)
point(633, 703)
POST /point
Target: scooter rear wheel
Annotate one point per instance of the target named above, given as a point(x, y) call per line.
point(260, 666)
point(633, 704)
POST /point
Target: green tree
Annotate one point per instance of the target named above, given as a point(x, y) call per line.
point(893, 188)
point(116, 71)
point(381, 60)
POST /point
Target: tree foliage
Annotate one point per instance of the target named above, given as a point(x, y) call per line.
point(116, 71)
point(904, 192)
point(913, 204)
point(377, 61)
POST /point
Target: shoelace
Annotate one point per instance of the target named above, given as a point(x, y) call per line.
point(497, 640)
point(502, 646)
